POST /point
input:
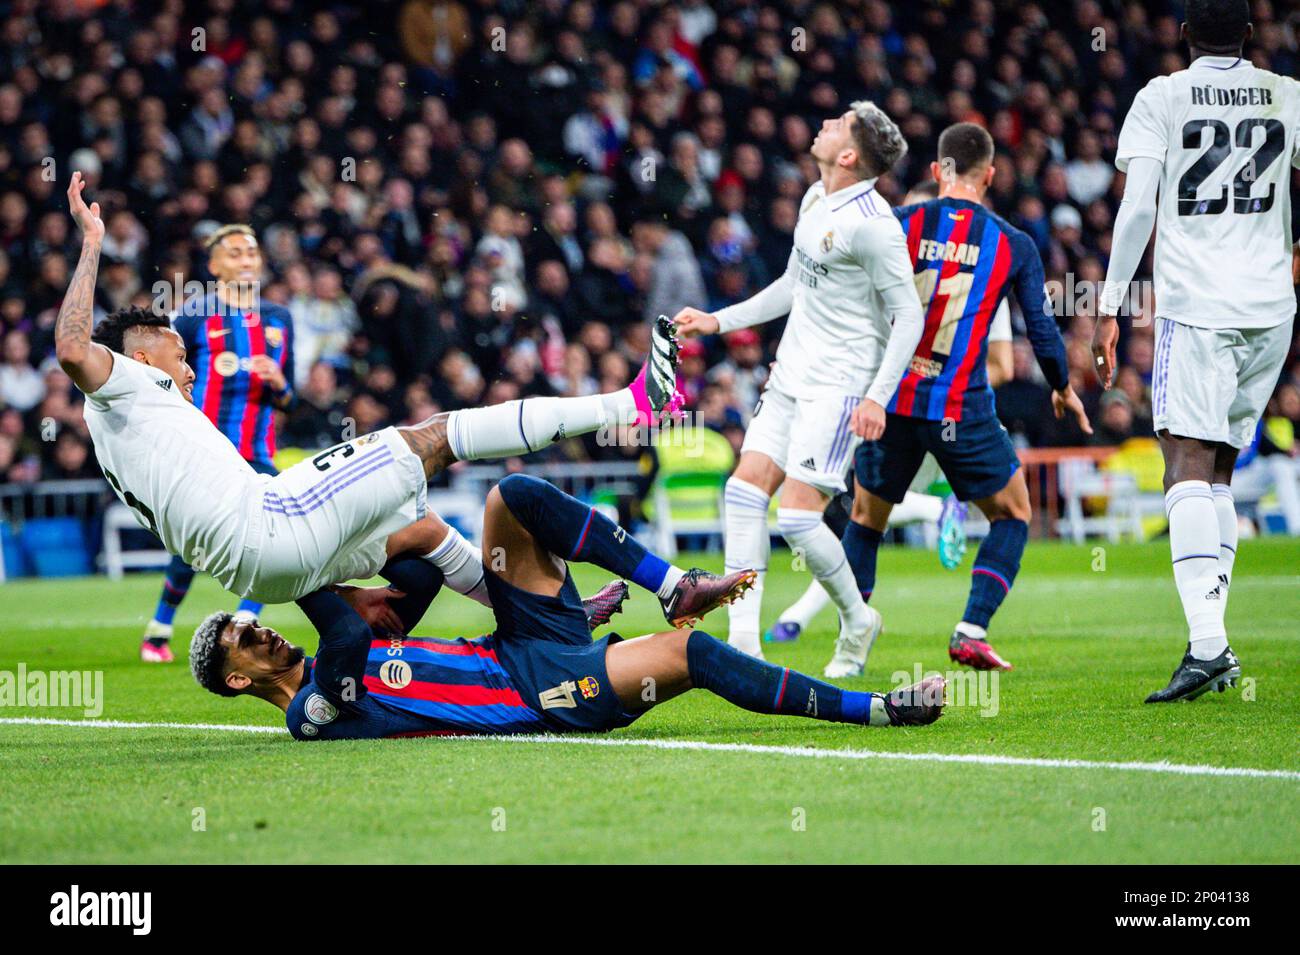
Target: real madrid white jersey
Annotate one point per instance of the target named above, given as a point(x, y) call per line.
point(1226, 133)
point(849, 250)
point(179, 475)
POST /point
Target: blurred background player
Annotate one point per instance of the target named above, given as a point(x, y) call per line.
point(1208, 152)
point(948, 513)
point(966, 259)
point(854, 321)
point(241, 350)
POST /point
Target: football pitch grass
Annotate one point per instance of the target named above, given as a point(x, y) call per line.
point(1091, 630)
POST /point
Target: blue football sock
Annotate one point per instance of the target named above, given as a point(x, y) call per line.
point(176, 584)
point(571, 530)
point(419, 580)
point(861, 544)
point(762, 687)
point(249, 606)
point(995, 569)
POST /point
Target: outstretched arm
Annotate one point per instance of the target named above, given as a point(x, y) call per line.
point(1133, 224)
point(88, 364)
point(1044, 335)
point(764, 306)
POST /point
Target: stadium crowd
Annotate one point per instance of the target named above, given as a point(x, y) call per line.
point(469, 201)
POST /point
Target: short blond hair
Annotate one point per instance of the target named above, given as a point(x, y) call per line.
point(236, 228)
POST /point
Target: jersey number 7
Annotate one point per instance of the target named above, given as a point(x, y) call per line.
point(956, 288)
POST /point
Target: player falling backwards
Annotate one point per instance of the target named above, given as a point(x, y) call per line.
point(847, 284)
point(539, 671)
point(967, 259)
point(336, 516)
point(1208, 152)
point(242, 352)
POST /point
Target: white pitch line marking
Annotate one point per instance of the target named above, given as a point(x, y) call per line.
point(806, 752)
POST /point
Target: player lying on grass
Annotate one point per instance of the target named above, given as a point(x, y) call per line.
point(336, 516)
point(539, 671)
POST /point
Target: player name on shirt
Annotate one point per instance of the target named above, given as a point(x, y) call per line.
point(962, 252)
point(1244, 96)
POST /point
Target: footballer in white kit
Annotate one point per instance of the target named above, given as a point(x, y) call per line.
point(1208, 151)
point(333, 517)
point(855, 319)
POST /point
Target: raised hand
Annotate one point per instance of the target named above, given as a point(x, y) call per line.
point(86, 217)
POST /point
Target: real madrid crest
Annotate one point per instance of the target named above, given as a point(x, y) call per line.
point(828, 241)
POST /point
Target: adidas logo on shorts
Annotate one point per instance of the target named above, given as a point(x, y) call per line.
point(808, 463)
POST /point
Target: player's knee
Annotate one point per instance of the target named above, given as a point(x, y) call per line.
point(758, 471)
point(860, 513)
point(1014, 509)
point(520, 493)
point(794, 522)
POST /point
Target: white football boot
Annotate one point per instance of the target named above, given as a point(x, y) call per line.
point(851, 648)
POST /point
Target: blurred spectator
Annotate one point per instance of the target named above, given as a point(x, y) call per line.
point(21, 385)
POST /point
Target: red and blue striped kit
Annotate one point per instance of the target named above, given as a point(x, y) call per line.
point(221, 341)
point(428, 686)
point(966, 259)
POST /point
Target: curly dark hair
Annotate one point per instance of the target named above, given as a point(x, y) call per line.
point(111, 332)
point(208, 656)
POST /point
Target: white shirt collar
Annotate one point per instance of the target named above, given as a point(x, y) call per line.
point(1217, 62)
point(842, 197)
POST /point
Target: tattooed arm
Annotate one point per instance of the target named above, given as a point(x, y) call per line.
point(87, 363)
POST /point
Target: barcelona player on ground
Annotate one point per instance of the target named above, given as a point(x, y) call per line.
point(966, 260)
point(539, 671)
point(241, 349)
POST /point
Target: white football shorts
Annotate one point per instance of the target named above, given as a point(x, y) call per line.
point(808, 438)
point(1214, 383)
point(327, 519)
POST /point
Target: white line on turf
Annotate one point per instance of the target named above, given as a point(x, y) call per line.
point(808, 752)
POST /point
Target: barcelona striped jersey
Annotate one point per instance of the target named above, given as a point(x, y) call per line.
point(221, 341)
point(965, 261)
point(414, 686)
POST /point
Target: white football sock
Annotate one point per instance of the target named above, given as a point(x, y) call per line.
point(1194, 547)
point(461, 564)
point(671, 578)
point(747, 548)
point(916, 507)
point(1225, 508)
point(814, 601)
point(805, 531)
point(972, 630)
point(530, 424)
